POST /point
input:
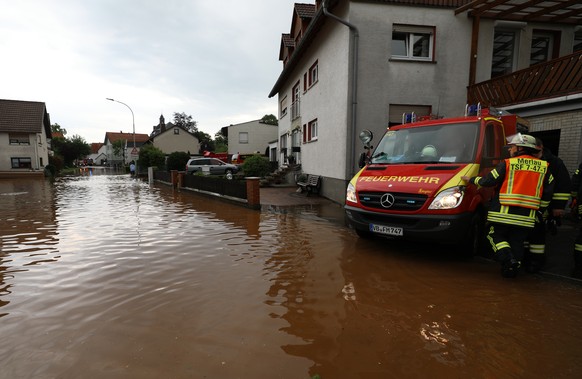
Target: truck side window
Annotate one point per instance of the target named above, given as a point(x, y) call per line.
point(491, 152)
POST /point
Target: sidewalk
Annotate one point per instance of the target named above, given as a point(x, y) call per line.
point(559, 247)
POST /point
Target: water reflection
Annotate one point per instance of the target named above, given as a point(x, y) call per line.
point(105, 276)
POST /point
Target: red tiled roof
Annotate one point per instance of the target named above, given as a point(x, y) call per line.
point(95, 146)
point(22, 116)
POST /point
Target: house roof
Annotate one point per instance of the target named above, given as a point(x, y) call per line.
point(95, 146)
point(305, 10)
point(114, 137)
point(24, 117)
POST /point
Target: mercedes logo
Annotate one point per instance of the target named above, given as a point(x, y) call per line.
point(387, 200)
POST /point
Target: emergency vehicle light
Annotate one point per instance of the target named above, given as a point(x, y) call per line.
point(408, 118)
point(473, 110)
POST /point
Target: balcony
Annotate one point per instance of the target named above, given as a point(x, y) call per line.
point(555, 78)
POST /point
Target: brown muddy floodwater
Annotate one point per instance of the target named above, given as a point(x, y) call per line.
point(107, 277)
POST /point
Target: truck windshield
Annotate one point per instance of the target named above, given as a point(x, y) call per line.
point(445, 143)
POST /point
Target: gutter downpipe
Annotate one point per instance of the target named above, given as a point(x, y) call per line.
point(351, 139)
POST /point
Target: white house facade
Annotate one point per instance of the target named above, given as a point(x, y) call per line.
point(250, 137)
point(351, 65)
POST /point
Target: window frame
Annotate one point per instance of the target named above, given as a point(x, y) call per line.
point(283, 105)
point(313, 76)
point(240, 140)
point(410, 31)
point(18, 139)
point(21, 163)
point(310, 131)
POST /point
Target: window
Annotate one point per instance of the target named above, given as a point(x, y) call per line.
point(18, 139)
point(21, 162)
point(295, 111)
point(310, 131)
point(176, 130)
point(313, 74)
point(243, 137)
point(283, 107)
point(577, 41)
point(504, 49)
point(413, 42)
point(543, 46)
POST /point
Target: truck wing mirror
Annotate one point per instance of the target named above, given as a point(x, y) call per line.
point(363, 160)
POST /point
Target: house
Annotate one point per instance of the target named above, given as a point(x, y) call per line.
point(25, 137)
point(98, 153)
point(130, 151)
point(171, 138)
point(351, 65)
point(250, 137)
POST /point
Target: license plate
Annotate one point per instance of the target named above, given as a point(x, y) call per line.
point(388, 230)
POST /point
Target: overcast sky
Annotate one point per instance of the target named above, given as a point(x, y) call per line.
point(216, 60)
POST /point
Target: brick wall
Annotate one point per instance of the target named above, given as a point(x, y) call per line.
point(570, 123)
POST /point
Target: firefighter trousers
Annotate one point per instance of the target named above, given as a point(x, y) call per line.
point(535, 247)
point(578, 256)
point(507, 241)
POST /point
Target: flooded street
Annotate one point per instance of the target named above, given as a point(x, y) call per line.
point(107, 277)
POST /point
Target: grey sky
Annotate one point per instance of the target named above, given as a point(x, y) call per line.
point(215, 60)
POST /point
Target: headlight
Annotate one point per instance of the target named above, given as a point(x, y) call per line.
point(351, 194)
point(448, 199)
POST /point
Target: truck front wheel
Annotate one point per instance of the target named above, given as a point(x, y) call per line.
point(472, 243)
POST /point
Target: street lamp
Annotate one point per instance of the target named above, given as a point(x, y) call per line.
point(132, 117)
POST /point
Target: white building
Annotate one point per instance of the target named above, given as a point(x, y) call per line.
point(250, 137)
point(355, 64)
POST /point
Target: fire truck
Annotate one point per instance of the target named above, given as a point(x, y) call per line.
point(410, 185)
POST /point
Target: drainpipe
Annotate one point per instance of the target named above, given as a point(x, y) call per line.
point(351, 137)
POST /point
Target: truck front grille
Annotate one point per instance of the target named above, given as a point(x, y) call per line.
point(402, 201)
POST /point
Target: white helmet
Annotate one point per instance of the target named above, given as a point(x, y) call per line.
point(429, 151)
point(523, 140)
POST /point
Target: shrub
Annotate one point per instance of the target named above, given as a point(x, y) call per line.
point(177, 161)
point(256, 165)
point(149, 156)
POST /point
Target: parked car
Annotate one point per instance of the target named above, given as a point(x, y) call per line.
point(213, 166)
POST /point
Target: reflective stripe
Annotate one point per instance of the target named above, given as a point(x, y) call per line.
point(537, 249)
point(517, 189)
point(578, 247)
point(560, 196)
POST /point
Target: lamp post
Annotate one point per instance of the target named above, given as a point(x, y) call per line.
point(132, 117)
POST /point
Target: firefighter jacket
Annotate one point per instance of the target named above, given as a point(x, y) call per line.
point(525, 188)
point(562, 182)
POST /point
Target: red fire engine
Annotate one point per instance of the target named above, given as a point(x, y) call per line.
point(410, 185)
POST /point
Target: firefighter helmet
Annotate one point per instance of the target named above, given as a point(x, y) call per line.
point(429, 151)
point(523, 140)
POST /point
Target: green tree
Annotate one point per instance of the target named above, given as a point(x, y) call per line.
point(177, 161)
point(119, 148)
point(185, 121)
point(56, 128)
point(270, 119)
point(151, 156)
point(71, 149)
point(220, 142)
point(256, 165)
point(206, 142)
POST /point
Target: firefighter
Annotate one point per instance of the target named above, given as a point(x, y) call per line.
point(577, 210)
point(535, 257)
point(524, 189)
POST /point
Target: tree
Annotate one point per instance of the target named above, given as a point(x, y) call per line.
point(220, 142)
point(71, 149)
point(206, 142)
point(119, 148)
point(181, 119)
point(151, 156)
point(270, 119)
point(56, 128)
